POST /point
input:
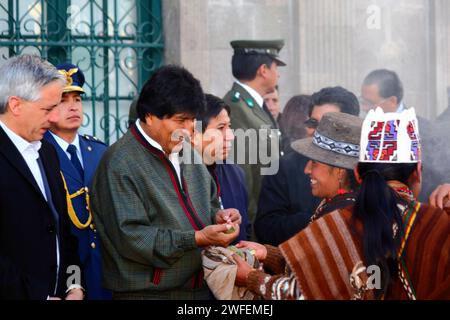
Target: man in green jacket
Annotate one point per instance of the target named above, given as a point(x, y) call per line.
point(153, 208)
point(255, 67)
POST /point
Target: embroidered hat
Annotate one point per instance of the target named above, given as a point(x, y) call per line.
point(74, 77)
point(390, 137)
point(335, 142)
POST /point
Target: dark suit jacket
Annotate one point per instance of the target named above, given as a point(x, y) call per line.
point(28, 260)
point(286, 202)
point(230, 181)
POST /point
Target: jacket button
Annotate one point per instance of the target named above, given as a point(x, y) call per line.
point(93, 245)
point(50, 228)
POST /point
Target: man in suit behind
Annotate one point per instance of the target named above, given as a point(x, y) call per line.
point(38, 257)
point(255, 67)
point(79, 156)
point(383, 88)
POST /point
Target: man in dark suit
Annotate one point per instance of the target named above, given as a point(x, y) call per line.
point(79, 156)
point(37, 254)
point(383, 88)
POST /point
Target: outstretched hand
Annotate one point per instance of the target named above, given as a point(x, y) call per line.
point(260, 250)
point(441, 196)
point(217, 235)
point(243, 270)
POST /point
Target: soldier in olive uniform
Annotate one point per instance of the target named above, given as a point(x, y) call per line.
point(255, 68)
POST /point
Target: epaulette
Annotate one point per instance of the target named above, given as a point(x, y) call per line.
point(93, 139)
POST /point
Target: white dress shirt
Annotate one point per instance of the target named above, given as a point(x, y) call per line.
point(29, 152)
point(174, 158)
point(64, 145)
point(255, 95)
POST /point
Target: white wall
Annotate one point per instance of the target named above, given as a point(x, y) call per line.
point(328, 42)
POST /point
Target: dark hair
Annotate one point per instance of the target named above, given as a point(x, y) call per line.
point(292, 120)
point(388, 83)
point(342, 98)
point(132, 112)
point(352, 182)
point(214, 106)
point(245, 66)
point(376, 207)
point(171, 90)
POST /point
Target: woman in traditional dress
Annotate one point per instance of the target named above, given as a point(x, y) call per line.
point(387, 245)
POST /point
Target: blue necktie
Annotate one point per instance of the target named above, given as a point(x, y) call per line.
point(74, 159)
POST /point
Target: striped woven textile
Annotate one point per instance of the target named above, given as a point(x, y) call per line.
point(427, 257)
point(324, 256)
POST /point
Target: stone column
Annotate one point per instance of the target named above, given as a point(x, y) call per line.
point(186, 36)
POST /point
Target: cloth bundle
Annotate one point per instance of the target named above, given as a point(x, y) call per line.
point(220, 272)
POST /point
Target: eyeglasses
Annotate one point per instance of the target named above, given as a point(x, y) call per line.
point(369, 104)
point(312, 123)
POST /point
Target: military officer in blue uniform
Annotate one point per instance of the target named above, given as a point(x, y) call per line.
point(79, 156)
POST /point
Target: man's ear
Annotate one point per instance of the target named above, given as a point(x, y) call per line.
point(149, 119)
point(14, 105)
point(393, 101)
point(262, 71)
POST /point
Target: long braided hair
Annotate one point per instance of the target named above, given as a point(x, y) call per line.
point(376, 207)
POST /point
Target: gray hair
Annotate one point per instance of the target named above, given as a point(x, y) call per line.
point(388, 82)
point(24, 76)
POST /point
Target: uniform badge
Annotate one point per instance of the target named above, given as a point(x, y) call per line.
point(236, 96)
point(250, 103)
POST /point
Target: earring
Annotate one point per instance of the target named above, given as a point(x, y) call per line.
point(341, 190)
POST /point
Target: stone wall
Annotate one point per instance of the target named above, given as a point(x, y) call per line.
point(328, 42)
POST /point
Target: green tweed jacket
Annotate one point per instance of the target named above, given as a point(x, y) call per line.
point(146, 221)
point(247, 114)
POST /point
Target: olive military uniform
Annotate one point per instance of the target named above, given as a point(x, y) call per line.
point(247, 114)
